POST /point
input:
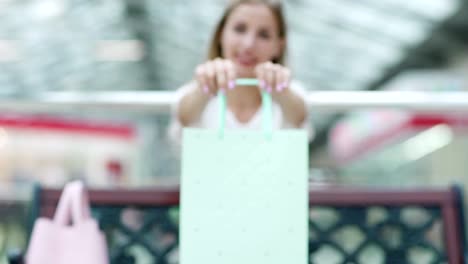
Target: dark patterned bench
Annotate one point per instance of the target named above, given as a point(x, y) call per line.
point(346, 225)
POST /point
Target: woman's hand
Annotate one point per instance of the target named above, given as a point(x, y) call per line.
point(274, 78)
point(214, 75)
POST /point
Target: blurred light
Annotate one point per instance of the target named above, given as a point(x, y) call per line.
point(427, 142)
point(395, 157)
point(434, 9)
point(9, 51)
point(4, 3)
point(48, 9)
point(120, 50)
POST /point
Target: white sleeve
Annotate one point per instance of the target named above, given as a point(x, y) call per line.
point(297, 88)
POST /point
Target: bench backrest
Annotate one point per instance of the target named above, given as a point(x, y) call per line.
point(346, 225)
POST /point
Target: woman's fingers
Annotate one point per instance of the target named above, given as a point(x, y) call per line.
point(200, 77)
point(210, 76)
point(220, 74)
point(214, 75)
point(270, 76)
point(273, 77)
point(283, 78)
point(230, 73)
point(261, 75)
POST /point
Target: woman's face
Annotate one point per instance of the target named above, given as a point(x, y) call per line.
point(251, 36)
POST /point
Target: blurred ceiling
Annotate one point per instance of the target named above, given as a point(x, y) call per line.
point(333, 44)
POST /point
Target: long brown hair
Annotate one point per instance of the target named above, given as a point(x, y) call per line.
point(275, 6)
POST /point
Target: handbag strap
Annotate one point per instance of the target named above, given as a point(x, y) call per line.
point(73, 204)
point(267, 113)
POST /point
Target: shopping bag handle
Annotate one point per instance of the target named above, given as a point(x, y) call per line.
point(267, 114)
point(73, 204)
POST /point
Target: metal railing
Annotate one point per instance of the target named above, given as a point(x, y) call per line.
point(160, 101)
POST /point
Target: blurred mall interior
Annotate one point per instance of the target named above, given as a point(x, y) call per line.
point(50, 48)
point(58, 55)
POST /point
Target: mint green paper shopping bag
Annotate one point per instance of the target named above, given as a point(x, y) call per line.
point(244, 195)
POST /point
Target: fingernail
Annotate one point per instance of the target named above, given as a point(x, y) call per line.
point(281, 87)
point(221, 90)
point(206, 89)
point(232, 85)
point(262, 84)
point(269, 89)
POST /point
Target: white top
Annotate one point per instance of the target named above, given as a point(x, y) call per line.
point(209, 116)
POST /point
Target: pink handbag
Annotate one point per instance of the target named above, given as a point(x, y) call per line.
point(57, 242)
